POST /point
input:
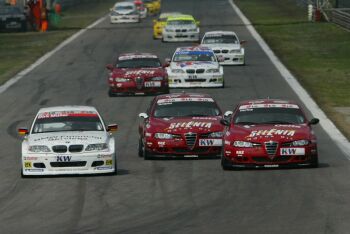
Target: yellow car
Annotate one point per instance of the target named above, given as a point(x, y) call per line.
point(160, 23)
point(153, 6)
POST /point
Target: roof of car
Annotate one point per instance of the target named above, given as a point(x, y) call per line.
point(193, 48)
point(183, 95)
point(267, 101)
point(220, 33)
point(67, 108)
point(180, 17)
point(127, 56)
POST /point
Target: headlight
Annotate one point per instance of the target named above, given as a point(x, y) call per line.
point(214, 70)
point(235, 51)
point(157, 78)
point(96, 147)
point(177, 71)
point(242, 144)
point(119, 79)
point(163, 136)
point(300, 143)
point(216, 134)
point(39, 149)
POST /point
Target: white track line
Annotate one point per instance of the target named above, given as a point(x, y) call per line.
point(45, 57)
point(325, 122)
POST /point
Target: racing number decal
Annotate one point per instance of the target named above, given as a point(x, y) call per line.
point(109, 162)
point(27, 164)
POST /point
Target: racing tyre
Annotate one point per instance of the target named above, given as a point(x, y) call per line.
point(140, 148)
point(111, 94)
point(225, 164)
point(314, 162)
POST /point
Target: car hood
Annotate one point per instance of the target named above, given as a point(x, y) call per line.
point(138, 72)
point(223, 46)
point(68, 138)
point(194, 65)
point(186, 124)
point(124, 12)
point(262, 133)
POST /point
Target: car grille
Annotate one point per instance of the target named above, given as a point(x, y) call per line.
point(269, 160)
point(181, 30)
point(271, 147)
point(191, 139)
point(197, 71)
point(68, 164)
point(139, 82)
point(59, 148)
point(220, 51)
point(76, 148)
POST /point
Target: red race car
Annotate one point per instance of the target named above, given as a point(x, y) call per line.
point(268, 133)
point(181, 125)
point(137, 74)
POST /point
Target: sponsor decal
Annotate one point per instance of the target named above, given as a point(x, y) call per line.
point(136, 56)
point(104, 168)
point(210, 142)
point(227, 142)
point(272, 132)
point(27, 164)
point(58, 114)
point(288, 125)
point(190, 99)
point(30, 158)
point(63, 158)
point(186, 64)
point(139, 72)
point(205, 118)
point(34, 170)
point(104, 156)
point(253, 106)
point(109, 162)
point(161, 143)
point(271, 166)
point(148, 134)
point(190, 124)
point(292, 151)
point(67, 138)
point(240, 152)
point(152, 84)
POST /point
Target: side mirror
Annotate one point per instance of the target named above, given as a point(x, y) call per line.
point(23, 131)
point(225, 122)
point(109, 67)
point(143, 115)
point(314, 121)
point(243, 42)
point(112, 128)
point(228, 113)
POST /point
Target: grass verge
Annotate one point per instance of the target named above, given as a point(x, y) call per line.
point(19, 50)
point(316, 53)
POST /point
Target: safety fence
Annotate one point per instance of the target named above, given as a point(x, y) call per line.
point(341, 16)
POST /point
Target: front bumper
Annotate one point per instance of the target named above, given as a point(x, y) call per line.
point(125, 19)
point(68, 164)
point(180, 36)
point(130, 88)
point(232, 59)
point(201, 81)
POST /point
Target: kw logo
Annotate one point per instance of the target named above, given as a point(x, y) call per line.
point(64, 158)
point(206, 142)
point(288, 151)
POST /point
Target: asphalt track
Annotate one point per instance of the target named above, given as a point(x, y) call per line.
point(161, 196)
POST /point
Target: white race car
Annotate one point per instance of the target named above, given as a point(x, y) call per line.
point(195, 67)
point(226, 45)
point(180, 28)
point(124, 12)
point(68, 140)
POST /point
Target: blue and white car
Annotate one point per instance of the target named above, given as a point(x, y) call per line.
point(68, 140)
point(195, 67)
point(226, 45)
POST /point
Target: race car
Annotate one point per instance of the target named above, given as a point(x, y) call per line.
point(137, 74)
point(225, 44)
point(124, 12)
point(140, 7)
point(12, 19)
point(153, 6)
point(180, 28)
point(268, 133)
point(195, 67)
point(68, 140)
point(160, 23)
point(181, 125)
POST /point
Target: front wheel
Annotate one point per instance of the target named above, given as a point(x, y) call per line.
point(225, 164)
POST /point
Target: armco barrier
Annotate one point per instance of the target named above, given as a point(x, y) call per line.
point(341, 16)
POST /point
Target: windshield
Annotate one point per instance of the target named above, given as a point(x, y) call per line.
point(269, 116)
point(186, 109)
point(123, 8)
point(63, 121)
point(220, 39)
point(194, 56)
point(181, 22)
point(9, 10)
point(139, 63)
